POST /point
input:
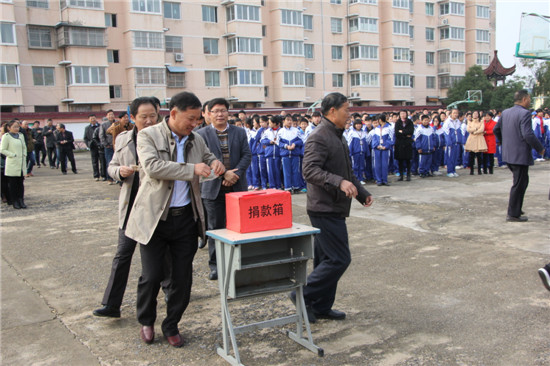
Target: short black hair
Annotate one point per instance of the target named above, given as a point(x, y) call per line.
point(381, 117)
point(156, 101)
point(136, 103)
point(205, 105)
point(35, 122)
point(122, 114)
point(277, 119)
point(185, 100)
point(332, 100)
point(91, 115)
point(217, 101)
point(110, 110)
point(424, 116)
point(316, 114)
point(61, 125)
point(520, 95)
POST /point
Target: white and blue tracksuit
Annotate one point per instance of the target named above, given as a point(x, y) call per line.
point(369, 175)
point(465, 154)
point(290, 158)
point(415, 157)
point(253, 171)
point(273, 158)
point(382, 136)
point(439, 152)
point(425, 141)
point(541, 132)
point(357, 143)
point(452, 139)
point(259, 151)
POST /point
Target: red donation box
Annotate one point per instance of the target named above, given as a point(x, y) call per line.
point(248, 212)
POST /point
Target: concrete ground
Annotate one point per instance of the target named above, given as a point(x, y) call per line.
point(437, 278)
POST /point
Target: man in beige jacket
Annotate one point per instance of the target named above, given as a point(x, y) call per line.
point(168, 213)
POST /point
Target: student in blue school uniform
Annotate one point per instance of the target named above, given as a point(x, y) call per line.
point(439, 152)
point(357, 143)
point(415, 156)
point(304, 125)
point(465, 134)
point(259, 151)
point(452, 150)
point(272, 153)
point(253, 171)
point(425, 142)
point(382, 143)
point(369, 175)
point(540, 132)
point(290, 144)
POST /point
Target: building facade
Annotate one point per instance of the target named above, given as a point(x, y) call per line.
point(90, 55)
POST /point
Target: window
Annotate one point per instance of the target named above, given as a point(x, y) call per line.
point(173, 43)
point(402, 80)
point(37, 4)
point(430, 82)
point(411, 81)
point(293, 48)
point(336, 2)
point(401, 54)
point(40, 37)
point(482, 11)
point(150, 76)
point(110, 20)
point(447, 81)
point(291, 17)
point(212, 78)
point(400, 27)
point(7, 33)
point(430, 57)
point(112, 56)
point(9, 75)
point(43, 76)
point(363, 25)
point(308, 22)
point(210, 46)
point(337, 52)
point(243, 12)
point(451, 33)
point(404, 4)
point(115, 91)
point(430, 34)
point(364, 79)
point(146, 6)
point(310, 79)
point(245, 77)
point(336, 25)
point(363, 52)
point(457, 57)
point(482, 58)
point(86, 75)
point(451, 8)
point(209, 14)
point(172, 10)
point(46, 108)
point(308, 50)
point(151, 40)
point(293, 78)
point(411, 56)
point(244, 45)
point(411, 31)
point(79, 36)
point(175, 79)
point(89, 4)
point(429, 9)
point(337, 80)
point(482, 35)
point(371, 2)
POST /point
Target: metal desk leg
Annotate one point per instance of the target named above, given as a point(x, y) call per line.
point(302, 317)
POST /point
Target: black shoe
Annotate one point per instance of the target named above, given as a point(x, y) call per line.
point(545, 277)
point(107, 311)
point(400, 178)
point(386, 184)
point(213, 276)
point(379, 184)
point(516, 219)
point(332, 315)
point(310, 313)
point(472, 172)
point(104, 179)
point(64, 173)
point(22, 203)
point(408, 178)
point(202, 243)
point(16, 204)
point(75, 171)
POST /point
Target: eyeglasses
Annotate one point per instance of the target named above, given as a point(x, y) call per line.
point(219, 111)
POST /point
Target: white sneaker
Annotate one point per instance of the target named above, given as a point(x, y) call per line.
point(450, 175)
point(540, 159)
point(363, 182)
point(437, 173)
point(458, 167)
point(456, 175)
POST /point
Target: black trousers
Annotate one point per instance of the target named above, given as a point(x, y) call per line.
point(519, 186)
point(102, 164)
point(473, 156)
point(4, 186)
point(215, 219)
point(94, 153)
point(37, 150)
point(404, 163)
point(332, 258)
point(52, 155)
point(178, 235)
point(488, 162)
point(119, 271)
point(16, 188)
point(65, 154)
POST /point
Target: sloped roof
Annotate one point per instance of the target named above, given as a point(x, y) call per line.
point(495, 69)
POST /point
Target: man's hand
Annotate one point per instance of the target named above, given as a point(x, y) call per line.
point(218, 167)
point(201, 169)
point(230, 177)
point(348, 188)
point(542, 152)
point(420, 151)
point(126, 171)
point(368, 201)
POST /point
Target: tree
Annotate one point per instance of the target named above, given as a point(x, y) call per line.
point(541, 87)
point(503, 95)
point(474, 79)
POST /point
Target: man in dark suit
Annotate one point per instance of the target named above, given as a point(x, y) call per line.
point(230, 145)
point(65, 142)
point(49, 134)
point(515, 131)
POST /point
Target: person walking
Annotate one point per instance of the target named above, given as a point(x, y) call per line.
point(49, 134)
point(515, 132)
point(92, 144)
point(65, 142)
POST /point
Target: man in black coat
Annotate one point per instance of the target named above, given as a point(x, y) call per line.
point(49, 134)
point(38, 138)
point(403, 150)
point(92, 144)
point(515, 132)
point(65, 142)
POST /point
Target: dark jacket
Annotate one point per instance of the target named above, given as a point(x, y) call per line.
point(105, 138)
point(239, 154)
point(404, 140)
point(515, 132)
point(49, 133)
point(67, 136)
point(326, 163)
point(37, 135)
point(89, 131)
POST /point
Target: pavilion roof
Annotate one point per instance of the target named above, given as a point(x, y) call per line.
point(495, 69)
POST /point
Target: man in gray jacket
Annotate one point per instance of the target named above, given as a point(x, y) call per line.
point(331, 185)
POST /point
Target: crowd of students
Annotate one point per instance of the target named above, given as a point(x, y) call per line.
point(438, 140)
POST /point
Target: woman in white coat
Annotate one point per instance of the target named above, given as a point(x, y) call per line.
point(14, 148)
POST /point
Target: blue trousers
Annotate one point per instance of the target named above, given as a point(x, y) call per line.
point(414, 162)
point(358, 164)
point(254, 172)
point(437, 159)
point(291, 172)
point(381, 161)
point(368, 167)
point(274, 171)
point(451, 155)
point(425, 163)
point(262, 166)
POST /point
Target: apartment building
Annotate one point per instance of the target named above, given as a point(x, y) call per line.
point(90, 55)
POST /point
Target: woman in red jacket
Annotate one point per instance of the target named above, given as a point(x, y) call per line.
point(489, 156)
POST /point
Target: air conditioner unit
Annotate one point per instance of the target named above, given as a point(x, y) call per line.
point(355, 94)
point(445, 21)
point(178, 57)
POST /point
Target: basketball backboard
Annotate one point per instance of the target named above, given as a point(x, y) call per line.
point(534, 37)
